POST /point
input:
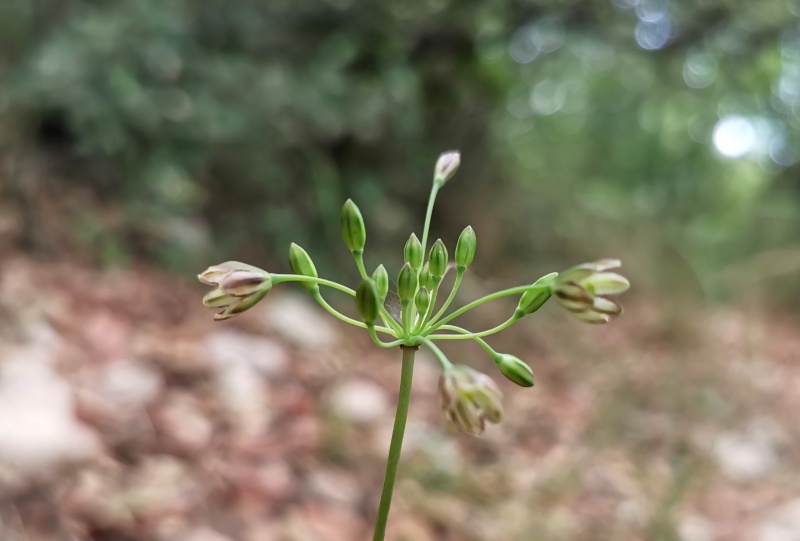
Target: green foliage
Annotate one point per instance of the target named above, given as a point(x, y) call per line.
point(258, 118)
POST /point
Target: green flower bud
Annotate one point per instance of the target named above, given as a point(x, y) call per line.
point(425, 278)
point(354, 232)
point(465, 248)
point(446, 166)
point(422, 300)
point(406, 283)
point(514, 369)
point(412, 253)
point(367, 301)
point(301, 264)
point(535, 297)
point(381, 279)
point(438, 259)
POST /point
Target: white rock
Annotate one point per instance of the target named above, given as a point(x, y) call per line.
point(228, 348)
point(359, 400)
point(299, 321)
point(38, 428)
point(130, 384)
point(695, 528)
point(782, 524)
point(744, 457)
point(242, 390)
point(205, 534)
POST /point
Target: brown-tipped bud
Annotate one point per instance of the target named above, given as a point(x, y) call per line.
point(381, 279)
point(412, 253)
point(367, 301)
point(239, 287)
point(354, 232)
point(514, 369)
point(422, 300)
point(583, 290)
point(465, 248)
point(469, 398)
point(301, 264)
point(446, 166)
point(406, 283)
point(438, 259)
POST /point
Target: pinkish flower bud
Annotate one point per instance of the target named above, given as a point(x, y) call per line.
point(583, 290)
point(239, 287)
point(469, 398)
point(446, 166)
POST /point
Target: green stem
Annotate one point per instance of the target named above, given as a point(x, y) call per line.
point(474, 304)
point(381, 343)
point(428, 213)
point(406, 317)
point(340, 316)
point(465, 334)
point(278, 278)
point(440, 356)
point(401, 415)
point(359, 256)
point(453, 291)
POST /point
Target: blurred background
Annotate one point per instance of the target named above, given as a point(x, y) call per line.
point(142, 141)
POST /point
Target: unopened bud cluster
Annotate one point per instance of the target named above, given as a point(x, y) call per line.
point(469, 398)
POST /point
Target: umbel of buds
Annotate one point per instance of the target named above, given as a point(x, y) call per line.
point(469, 399)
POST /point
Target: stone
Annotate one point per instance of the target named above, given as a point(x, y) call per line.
point(359, 400)
point(230, 347)
point(782, 524)
point(300, 322)
point(38, 428)
point(744, 457)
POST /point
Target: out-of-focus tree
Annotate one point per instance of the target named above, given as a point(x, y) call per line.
point(675, 120)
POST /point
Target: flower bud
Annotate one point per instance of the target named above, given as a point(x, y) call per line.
point(425, 278)
point(406, 283)
point(465, 248)
point(469, 398)
point(301, 264)
point(239, 287)
point(446, 166)
point(354, 232)
point(367, 301)
point(514, 369)
point(535, 297)
point(381, 279)
point(412, 253)
point(583, 290)
point(422, 300)
point(438, 259)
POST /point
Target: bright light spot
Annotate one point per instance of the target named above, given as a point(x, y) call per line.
point(521, 48)
point(548, 97)
point(781, 152)
point(734, 136)
point(652, 11)
point(700, 70)
point(541, 37)
point(547, 34)
point(653, 35)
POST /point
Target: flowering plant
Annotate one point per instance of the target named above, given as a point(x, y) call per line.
point(468, 398)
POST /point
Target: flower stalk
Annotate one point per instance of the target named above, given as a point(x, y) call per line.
point(469, 399)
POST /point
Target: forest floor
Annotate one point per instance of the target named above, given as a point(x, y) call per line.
point(127, 414)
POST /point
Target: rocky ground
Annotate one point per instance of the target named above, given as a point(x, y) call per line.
point(127, 414)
